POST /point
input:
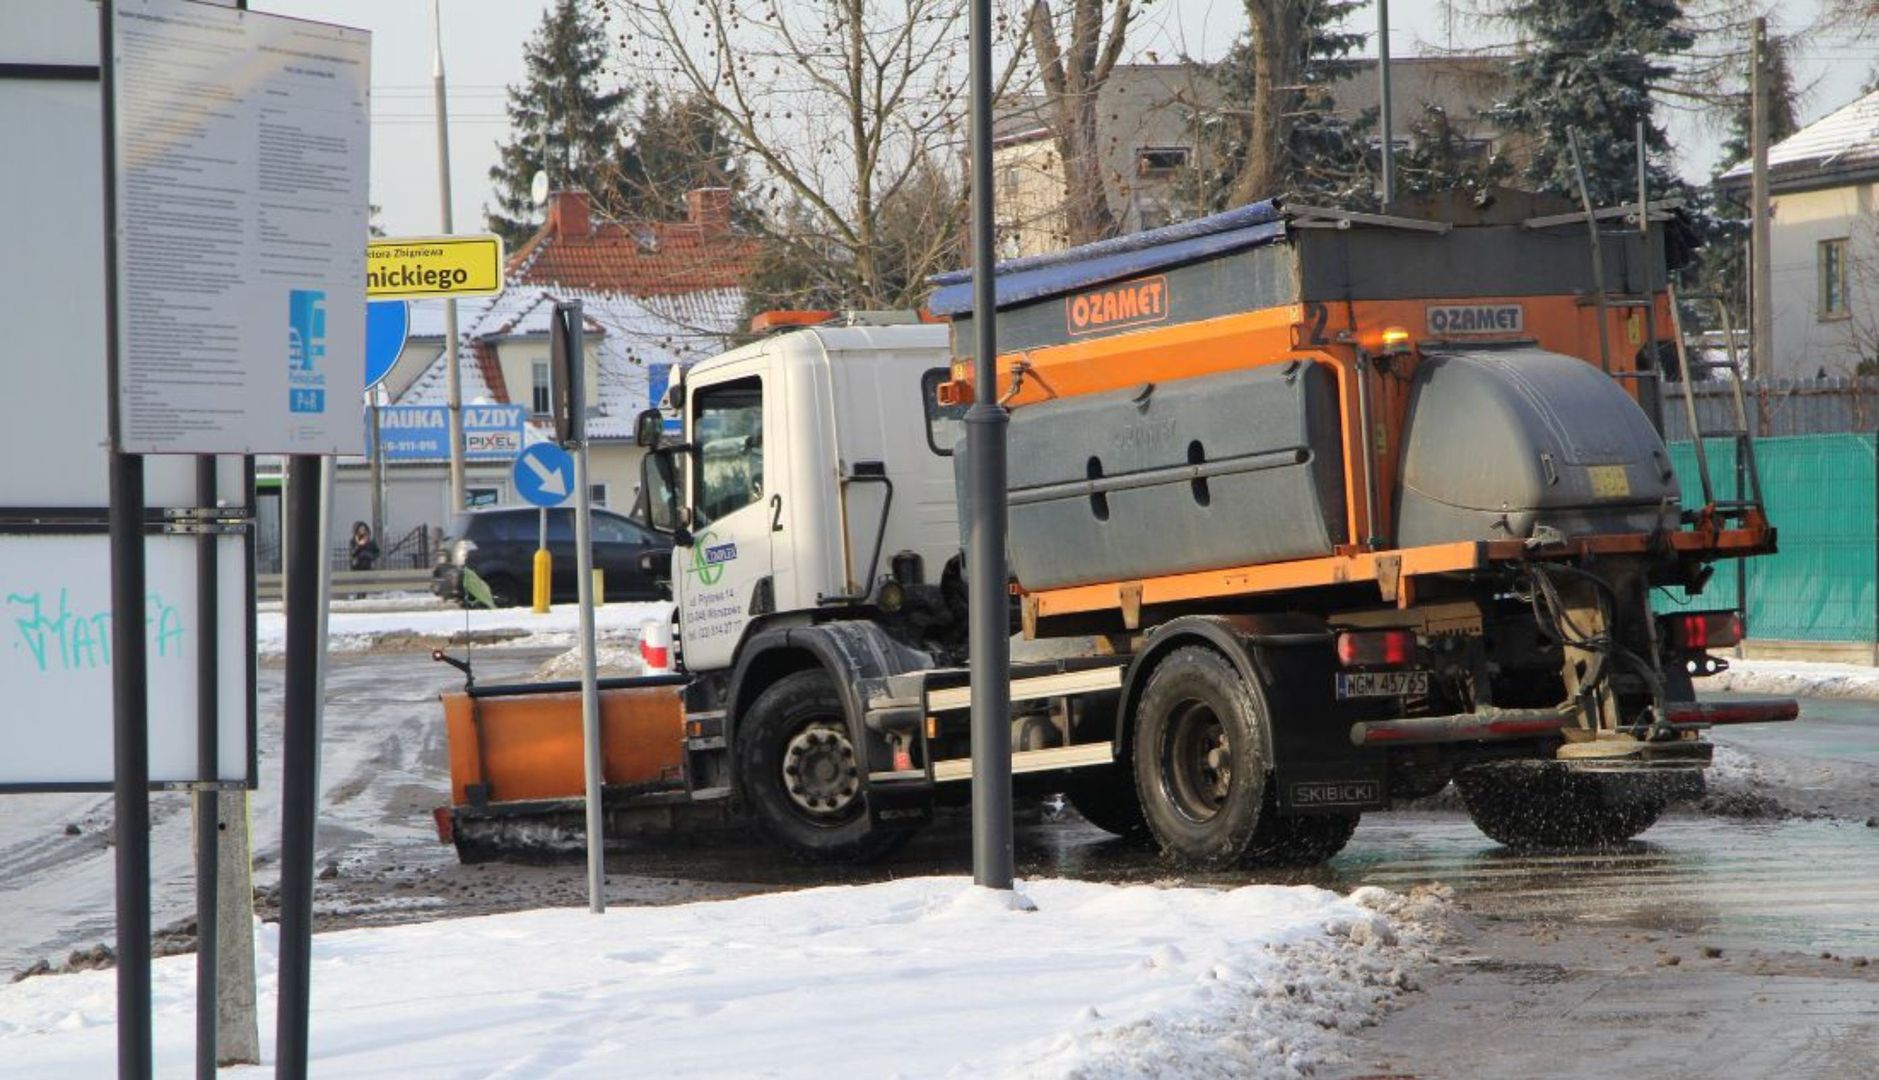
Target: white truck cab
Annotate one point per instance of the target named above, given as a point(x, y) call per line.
point(799, 485)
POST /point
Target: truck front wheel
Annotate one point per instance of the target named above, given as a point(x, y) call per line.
point(1542, 804)
point(1201, 758)
point(801, 773)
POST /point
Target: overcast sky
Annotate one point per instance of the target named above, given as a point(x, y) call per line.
point(483, 41)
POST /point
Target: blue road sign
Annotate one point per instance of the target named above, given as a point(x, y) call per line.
point(386, 324)
point(544, 475)
point(422, 432)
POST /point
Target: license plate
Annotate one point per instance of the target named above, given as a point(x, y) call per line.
point(1370, 684)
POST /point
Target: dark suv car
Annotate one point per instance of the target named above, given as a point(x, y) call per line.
point(499, 544)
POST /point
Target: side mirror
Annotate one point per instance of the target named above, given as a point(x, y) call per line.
point(659, 485)
point(648, 426)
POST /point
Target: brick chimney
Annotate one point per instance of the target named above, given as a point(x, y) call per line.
point(569, 214)
point(709, 209)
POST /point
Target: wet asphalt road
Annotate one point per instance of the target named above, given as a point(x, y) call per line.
point(1554, 938)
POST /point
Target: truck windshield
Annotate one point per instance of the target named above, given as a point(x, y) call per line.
point(727, 422)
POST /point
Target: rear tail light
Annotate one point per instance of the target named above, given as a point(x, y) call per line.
point(1376, 648)
point(1696, 631)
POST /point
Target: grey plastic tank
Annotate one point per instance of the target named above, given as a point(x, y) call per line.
point(1224, 470)
point(1503, 441)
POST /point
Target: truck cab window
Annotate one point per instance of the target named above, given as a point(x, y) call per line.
point(945, 424)
point(727, 422)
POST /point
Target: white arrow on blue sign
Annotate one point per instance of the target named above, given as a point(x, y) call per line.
point(544, 475)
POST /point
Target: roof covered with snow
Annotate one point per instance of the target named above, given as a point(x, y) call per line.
point(1840, 147)
point(633, 333)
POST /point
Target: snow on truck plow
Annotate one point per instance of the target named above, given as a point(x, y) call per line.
point(1314, 511)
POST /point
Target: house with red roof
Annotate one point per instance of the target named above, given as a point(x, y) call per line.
point(654, 294)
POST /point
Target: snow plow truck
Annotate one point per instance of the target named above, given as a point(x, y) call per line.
point(1310, 512)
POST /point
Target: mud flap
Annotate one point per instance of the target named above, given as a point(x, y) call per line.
point(900, 804)
point(1337, 787)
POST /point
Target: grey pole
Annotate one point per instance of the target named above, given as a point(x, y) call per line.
point(299, 755)
point(130, 696)
point(584, 570)
point(990, 628)
point(1383, 100)
point(1761, 258)
point(453, 378)
point(208, 768)
point(378, 476)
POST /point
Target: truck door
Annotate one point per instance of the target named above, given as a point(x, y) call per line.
point(732, 520)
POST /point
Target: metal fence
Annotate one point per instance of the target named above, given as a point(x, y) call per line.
point(1819, 491)
point(1777, 407)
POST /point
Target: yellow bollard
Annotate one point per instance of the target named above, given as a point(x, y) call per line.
point(600, 587)
point(544, 575)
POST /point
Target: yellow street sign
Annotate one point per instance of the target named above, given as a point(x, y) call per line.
point(408, 267)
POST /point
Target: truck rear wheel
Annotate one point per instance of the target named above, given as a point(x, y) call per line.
point(1201, 758)
point(1305, 840)
point(1543, 804)
point(1106, 798)
point(801, 773)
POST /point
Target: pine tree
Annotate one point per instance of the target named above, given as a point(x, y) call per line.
point(560, 119)
point(678, 144)
point(1320, 156)
point(1440, 159)
point(1588, 71)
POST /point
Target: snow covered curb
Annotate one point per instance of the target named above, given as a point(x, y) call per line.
point(433, 626)
point(919, 977)
point(1795, 678)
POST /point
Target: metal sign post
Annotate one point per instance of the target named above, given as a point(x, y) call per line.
point(130, 797)
point(986, 420)
point(201, 360)
point(571, 372)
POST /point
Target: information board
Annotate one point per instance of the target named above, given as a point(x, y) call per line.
point(55, 678)
point(240, 182)
point(422, 432)
point(55, 660)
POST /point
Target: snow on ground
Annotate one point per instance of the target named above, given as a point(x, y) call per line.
point(423, 625)
point(918, 977)
point(1796, 678)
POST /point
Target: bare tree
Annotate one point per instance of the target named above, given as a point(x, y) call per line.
point(844, 110)
point(1073, 74)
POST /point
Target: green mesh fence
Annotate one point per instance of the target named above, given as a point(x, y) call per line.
point(1819, 492)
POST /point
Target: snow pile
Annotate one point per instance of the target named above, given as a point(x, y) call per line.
point(432, 627)
point(1795, 678)
point(609, 660)
point(919, 977)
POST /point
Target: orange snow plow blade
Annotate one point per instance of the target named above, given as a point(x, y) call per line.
point(522, 742)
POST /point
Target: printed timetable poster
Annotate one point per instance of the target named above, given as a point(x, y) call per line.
point(240, 180)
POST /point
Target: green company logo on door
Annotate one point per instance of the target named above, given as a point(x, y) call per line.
point(708, 558)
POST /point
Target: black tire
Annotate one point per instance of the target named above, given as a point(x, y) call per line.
point(798, 722)
point(1537, 805)
point(1299, 841)
point(1201, 758)
point(1106, 798)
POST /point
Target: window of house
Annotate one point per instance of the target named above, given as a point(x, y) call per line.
point(1833, 279)
point(541, 395)
point(597, 494)
point(1160, 160)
